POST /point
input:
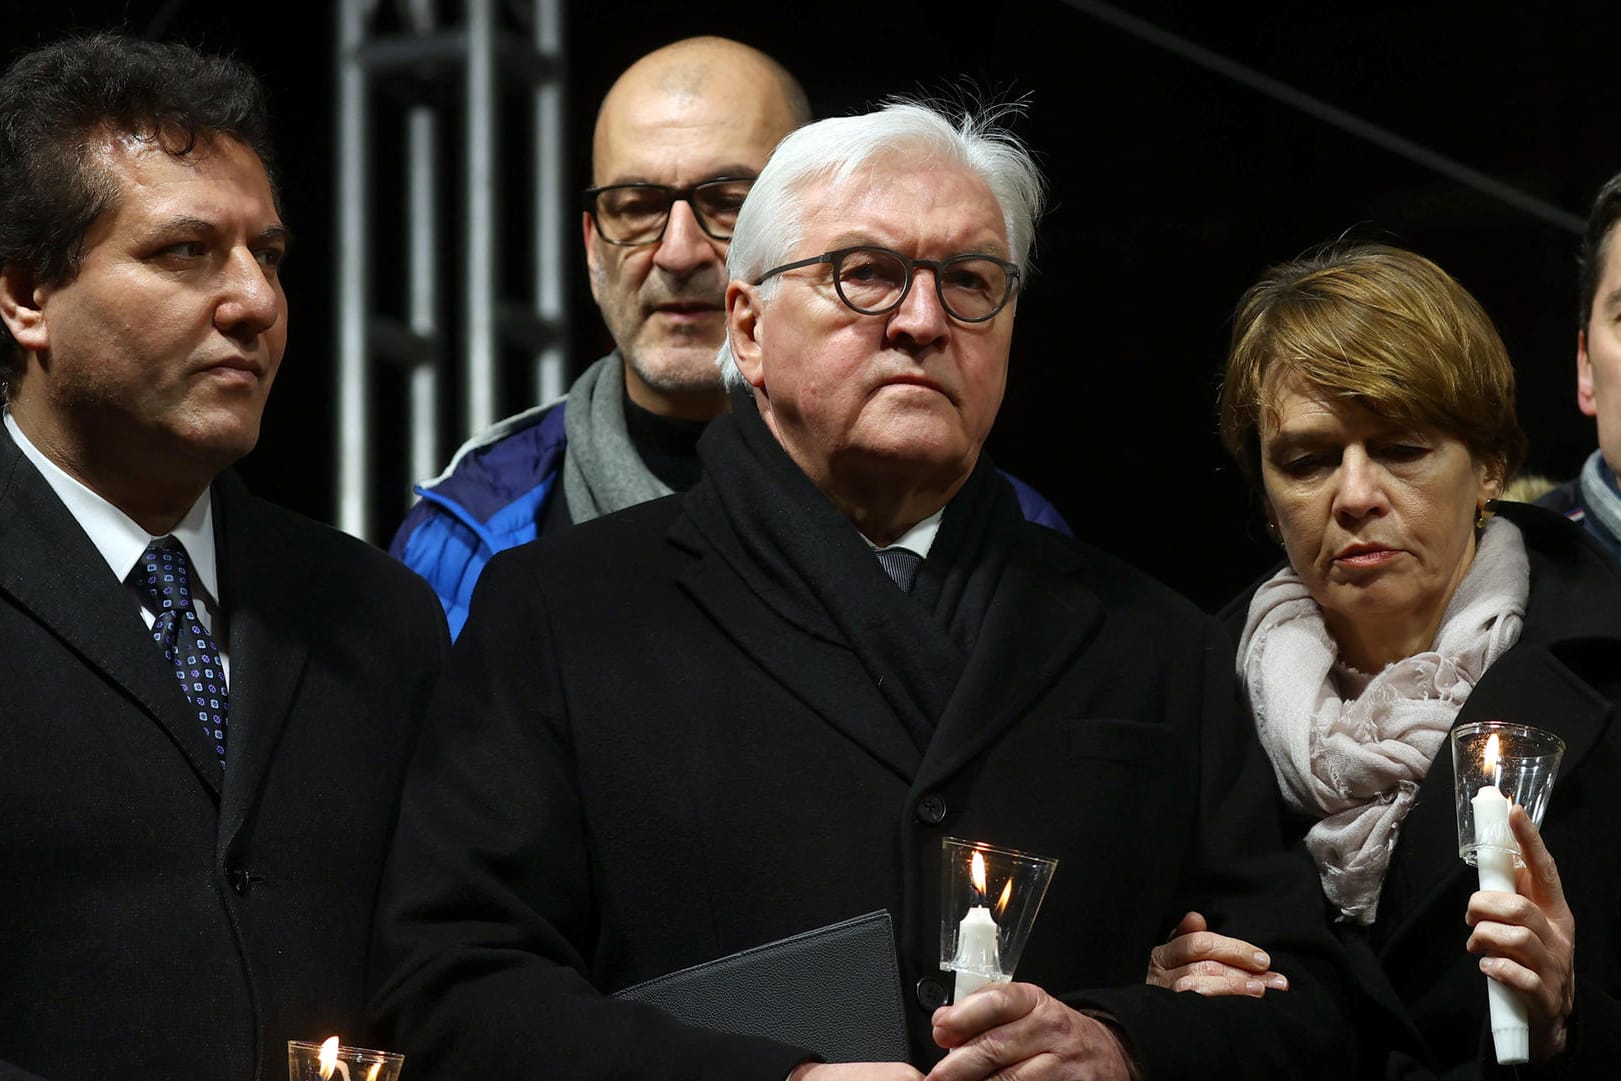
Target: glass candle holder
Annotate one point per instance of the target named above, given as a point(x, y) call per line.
point(327, 1061)
point(989, 897)
point(1497, 764)
point(1520, 765)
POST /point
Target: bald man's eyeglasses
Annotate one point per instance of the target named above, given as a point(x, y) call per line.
point(634, 214)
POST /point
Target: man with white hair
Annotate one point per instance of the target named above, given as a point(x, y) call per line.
point(716, 720)
point(679, 138)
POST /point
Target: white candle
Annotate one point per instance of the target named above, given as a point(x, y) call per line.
point(976, 963)
point(1494, 858)
point(330, 1060)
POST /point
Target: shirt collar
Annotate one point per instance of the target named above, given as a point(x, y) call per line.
point(115, 534)
point(919, 539)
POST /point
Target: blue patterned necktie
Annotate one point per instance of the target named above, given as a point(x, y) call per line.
point(900, 564)
point(163, 577)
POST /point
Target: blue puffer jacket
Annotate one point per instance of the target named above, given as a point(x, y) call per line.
point(491, 496)
point(487, 500)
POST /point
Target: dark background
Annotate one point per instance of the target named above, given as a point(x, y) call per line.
point(1174, 184)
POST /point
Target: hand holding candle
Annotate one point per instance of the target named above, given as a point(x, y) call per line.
point(1532, 951)
point(1497, 765)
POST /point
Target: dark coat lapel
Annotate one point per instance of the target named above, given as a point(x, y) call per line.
point(821, 673)
point(264, 587)
point(1038, 620)
point(52, 569)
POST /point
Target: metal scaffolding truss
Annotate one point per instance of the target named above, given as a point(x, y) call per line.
point(425, 125)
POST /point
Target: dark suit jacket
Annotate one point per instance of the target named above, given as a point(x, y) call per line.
point(158, 920)
point(1425, 1011)
point(634, 765)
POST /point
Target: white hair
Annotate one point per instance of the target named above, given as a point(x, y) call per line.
point(771, 223)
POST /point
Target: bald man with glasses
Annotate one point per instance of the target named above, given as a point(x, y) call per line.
point(679, 139)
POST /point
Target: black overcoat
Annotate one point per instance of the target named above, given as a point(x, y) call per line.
point(1423, 1007)
point(635, 765)
point(159, 920)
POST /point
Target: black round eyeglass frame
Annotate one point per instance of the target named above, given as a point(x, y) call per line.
point(835, 259)
point(675, 195)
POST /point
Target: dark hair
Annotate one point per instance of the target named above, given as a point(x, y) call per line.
point(1601, 221)
point(56, 99)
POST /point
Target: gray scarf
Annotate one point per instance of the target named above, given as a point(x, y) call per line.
point(1598, 493)
point(1355, 761)
point(602, 472)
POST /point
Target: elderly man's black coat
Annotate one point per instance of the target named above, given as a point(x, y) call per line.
point(634, 765)
point(157, 920)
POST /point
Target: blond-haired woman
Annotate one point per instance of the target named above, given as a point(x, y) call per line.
point(1370, 403)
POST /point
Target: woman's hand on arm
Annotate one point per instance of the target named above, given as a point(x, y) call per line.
point(1197, 959)
point(1527, 939)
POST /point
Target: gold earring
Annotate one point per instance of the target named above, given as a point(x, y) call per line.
point(1482, 512)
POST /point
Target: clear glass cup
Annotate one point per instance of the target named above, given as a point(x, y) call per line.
point(1521, 767)
point(989, 897)
point(305, 1063)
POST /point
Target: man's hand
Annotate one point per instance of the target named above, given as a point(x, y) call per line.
point(854, 1071)
point(1012, 1030)
point(1528, 939)
point(1197, 959)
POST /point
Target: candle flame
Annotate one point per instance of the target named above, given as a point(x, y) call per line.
point(1007, 895)
point(1492, 759)
point(329, 1057)
point(976, 869)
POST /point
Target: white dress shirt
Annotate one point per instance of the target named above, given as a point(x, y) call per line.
point(919, 539)
point(122, 542)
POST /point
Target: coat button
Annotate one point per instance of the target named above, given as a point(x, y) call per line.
point(931, 993)
point(241, 881)
point(931, 809)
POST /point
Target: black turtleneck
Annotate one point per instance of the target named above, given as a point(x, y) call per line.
point(667, 445)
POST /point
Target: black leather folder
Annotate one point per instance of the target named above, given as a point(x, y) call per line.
point(835, 990)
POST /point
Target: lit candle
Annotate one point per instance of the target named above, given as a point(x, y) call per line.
point(1494, 858)
point(976, 963)
point(330, 1060)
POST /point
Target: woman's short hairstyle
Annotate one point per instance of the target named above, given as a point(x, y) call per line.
point(1379, 326)
point(771, 223)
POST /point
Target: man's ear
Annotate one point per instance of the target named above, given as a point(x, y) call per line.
point(743, 310)
point(1584, 377)
point(22, 308)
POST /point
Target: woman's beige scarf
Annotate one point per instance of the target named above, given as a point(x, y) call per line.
point(1356, 763)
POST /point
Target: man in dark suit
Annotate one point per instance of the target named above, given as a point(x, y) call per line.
point(209, 700)
point(757, 708)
